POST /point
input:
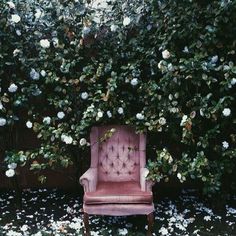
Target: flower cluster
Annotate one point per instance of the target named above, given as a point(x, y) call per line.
point(77, 67)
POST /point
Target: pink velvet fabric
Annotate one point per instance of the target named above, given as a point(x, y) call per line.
point(118, 192)
point(118, 209)
point(117, 176)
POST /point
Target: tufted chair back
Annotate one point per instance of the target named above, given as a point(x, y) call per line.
point(120, 157)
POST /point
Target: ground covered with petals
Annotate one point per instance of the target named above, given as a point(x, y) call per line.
point(53, 212)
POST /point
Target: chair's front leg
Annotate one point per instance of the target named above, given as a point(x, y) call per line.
point(150, 219)
point(86, 224)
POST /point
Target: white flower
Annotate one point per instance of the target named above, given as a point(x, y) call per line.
point(24, 228)
point(84, 95)
point(66, 139)
point(82, 142)
point(134, 81)
point(16, 52)
point(233, 81)
point(126, 21)
point(34, 74)
point(162, 121)
point(38, 13)
point(86, 30)
point(44, 43)
point(179, 176)
point(120, 110)
point(12, 88)
point(160, 65)
point(55, 42)
point(29, 124)
point(113, 28)
point(226, 112)
point(166, 54)
point(12, 166)
point(184, 119)
point(47, 120)
point(185, 50)
point(139, 116)
point(170, 97)
point(3, 121)
point(100, 114)
point(214, 59)
point(60, 114)
point(109, 114)
point(43, 73)
point(15, 18)
point(225, 144)
point(163, 231)
point(1, 106)
point(11, 4)
point(10, 173)
point(123, 231)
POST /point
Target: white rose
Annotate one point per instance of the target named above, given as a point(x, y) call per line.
point(43, 73)
point(24, 228)
point(160, 65)
point(84, 95)
point(34, 74)
point(12, 166)
point(139, 116)
point(55, 42)
point(15, 18)
point(134, 81)
point(100, 114)
point(47, 120)
point(233, 81)
point(38, 13)
point(10, 173)
point(184, 119)
point(82, 142)
point(86, 30)
point(226, 112)
point(12, 88)
point(109, 114)
point(179, 176)
point(162, 121)
point(214, 59)
point(166, 54)
point(44, 43)
point(113, 28)
point(3, 121)
point(66, 139)
point(126, 21)
point(225, 144)
point(16, 52)
point(60, 114)
point(120, 110)
point(29, 124)
point(11, 4)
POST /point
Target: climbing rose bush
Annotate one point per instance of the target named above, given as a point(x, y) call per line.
point(67, 66)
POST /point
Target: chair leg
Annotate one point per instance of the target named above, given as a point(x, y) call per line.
point(150, 219)
point(86, 224)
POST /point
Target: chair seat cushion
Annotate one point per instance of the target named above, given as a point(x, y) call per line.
point(118, 192)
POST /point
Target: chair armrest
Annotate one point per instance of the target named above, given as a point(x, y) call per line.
point(89, 180)
point(146, 185)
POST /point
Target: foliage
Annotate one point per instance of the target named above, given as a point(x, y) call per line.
point(66, 67)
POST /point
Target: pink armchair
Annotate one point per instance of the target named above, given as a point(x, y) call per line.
point(115, 184)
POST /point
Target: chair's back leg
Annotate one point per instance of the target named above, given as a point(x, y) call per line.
point(86, 224)
point(150, 219)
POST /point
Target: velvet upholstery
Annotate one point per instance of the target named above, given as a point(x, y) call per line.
point(115, 183)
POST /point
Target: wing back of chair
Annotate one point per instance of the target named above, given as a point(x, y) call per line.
point(120, 157)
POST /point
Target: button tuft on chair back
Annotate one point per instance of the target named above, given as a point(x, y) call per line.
point(118, 158)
